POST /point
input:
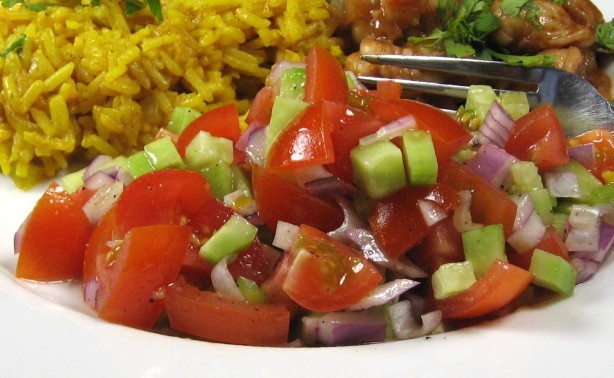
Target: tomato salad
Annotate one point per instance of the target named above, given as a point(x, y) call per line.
point(337, 215)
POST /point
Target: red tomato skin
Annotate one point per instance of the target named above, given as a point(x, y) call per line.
point(222, 122)
point(550, 242)
point(603, 140)
point(211, 317)
point(195, 269)
point(489, 205)
point(349, 125)
point(325, 78)
point(502, 284)
point(150, 259)
point(82, 195)
point(396, 220)
point(388, 90)
point(325, 274)
point(250, 263)
point(273, 285)
point(441, 245)
point(449, 136)
point(166, 196)
point(262, 107)
point(98, 246)
point(538, 137)
point(54, 238)
point(278, 198)
point(305, 142)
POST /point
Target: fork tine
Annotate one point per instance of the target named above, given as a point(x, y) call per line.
point(468, 67)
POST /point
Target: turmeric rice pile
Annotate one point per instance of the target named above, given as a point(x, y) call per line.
point(87, 80)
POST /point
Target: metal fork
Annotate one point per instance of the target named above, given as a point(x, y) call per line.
point(578, 105)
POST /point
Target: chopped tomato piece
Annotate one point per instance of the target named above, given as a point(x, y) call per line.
point(502, 284)
point(441, 245)
point(133, 282)
point(53, 240)
point(262, 107)
point(388, 90)
point(222, 122)
point(169, 196)
point(538, 136)
point(279, 198)
point(325, 78)
point(211, 317)
point(273, 286)
point(603, 140)
point(305, 142)
point(449, 136)
point(82, 195)
point(99, 244)
point(349, 125)
point(397, 222)
point(327, 275)
point(489, 205)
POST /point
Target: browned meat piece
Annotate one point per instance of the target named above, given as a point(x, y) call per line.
point(561, 26)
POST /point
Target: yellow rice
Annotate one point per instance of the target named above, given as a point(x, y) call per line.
point(90, 80)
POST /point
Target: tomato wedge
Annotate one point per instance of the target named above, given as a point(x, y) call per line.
point(133, 281)
point(442, 244)
point(279, 198)
point(550, 242)
point(53, 240)
point(325, 78)
point(326, 275)
point(261, 108)
point(397, 222)
point(489, 205)
point(538, 136)
point(222, 122)
point(169, 196)
point(305, 142)
point(502, 284)
point(211, 317)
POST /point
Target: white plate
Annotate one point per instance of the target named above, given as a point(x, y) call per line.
point(47, 331)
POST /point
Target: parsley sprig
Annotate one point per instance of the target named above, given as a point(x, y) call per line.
point(604, 34)
point(467, 24)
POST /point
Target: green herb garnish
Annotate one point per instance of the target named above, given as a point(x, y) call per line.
point(16, 45)
point(523, 60)
point(604, 34)
point(131, 6)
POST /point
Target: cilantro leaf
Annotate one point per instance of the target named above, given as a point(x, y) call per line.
point(458, 50)
point(523, 60)
point(604, 34)
point(513, 7)
point(16, 45)
point(155, 8)
point(133, 6)
point(10, 3)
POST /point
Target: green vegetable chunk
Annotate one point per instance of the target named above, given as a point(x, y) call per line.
point(484, 245)
point(285, 109)
point(180, 118)
point(293, 83)
point(524, 177)
point(234, 236)
point(420, 160)
point(162, 154)
point(205, 150)
point(251, 291)
point(219, 175)
point(139, 164)
point(452, 278)
point(480, 99)
point(378, 168)
point(553, 272)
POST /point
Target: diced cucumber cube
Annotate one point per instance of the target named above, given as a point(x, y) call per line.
point(162, 154)
point(205, 150)
point(251, 291)
point(219, 176)
point(479, 99)
point(452, 278)
point(587, 181)
point(516, 103)
point(524, 177)
point(553, 272)
point(293, 83)
point(285, 109)
point(543, 204)
point(378, 168)
point(420, 160)
point(234, 236)
point(483, 245)
point(180, 118)
point(139, 164)
point(73, 181)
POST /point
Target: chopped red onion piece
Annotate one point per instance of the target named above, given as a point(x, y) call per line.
point(431, 212)
point(462, 215)
point(607, 212)
point(384, 293)
point(243, 141)
point(312, 173)
point(285, 235)
point(496, 126)
point(223, 282)
point(562, 183)
point(90, 293)
point(588, 262)
point(256, 146)
point(102, 201)
point(344, 328)
point(390, 131)
point(331, 186)
point(583, 153)
point(524, 209)
point(584, 216)
point(583, 233)
point(529, 235)
point(406, 327)
point(492, 163)
point(97, 180)
point(95, 165)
